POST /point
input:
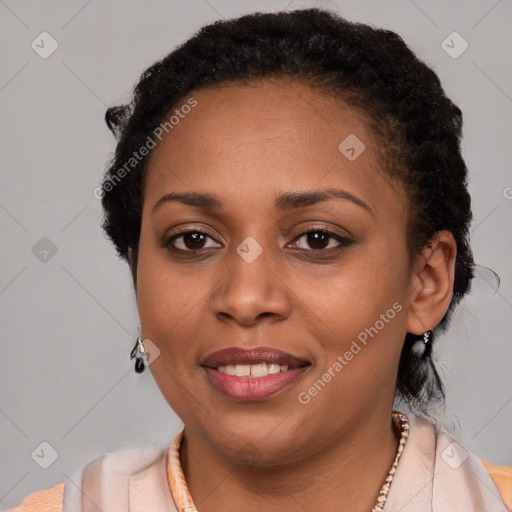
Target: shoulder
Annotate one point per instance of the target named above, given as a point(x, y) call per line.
point(110, 476)
point(502, 477)
point(46, 500)
point(454, 454)
point(109, 473)
point(484, 481)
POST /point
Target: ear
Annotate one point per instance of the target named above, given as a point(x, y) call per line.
point(432, 283)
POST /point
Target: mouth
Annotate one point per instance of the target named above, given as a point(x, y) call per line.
point(253, 374)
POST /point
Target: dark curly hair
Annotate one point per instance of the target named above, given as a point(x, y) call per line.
point(417, 127)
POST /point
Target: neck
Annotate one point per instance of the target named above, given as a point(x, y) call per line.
point(347, 474)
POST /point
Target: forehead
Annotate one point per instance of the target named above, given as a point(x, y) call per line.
point(266, 113)
point(266, 136)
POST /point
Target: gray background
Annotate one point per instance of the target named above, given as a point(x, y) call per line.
point(68, 323)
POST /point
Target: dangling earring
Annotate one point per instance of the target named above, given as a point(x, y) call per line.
point(138, 351)
point(420, 345)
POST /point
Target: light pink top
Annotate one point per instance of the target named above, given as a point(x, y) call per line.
point(435, 474)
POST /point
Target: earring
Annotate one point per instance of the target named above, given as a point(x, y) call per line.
point(138, 351)
point(420, 345)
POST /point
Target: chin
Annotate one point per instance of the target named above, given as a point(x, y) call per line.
point(258, 443)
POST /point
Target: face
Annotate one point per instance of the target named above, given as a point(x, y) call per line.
point(322, 277)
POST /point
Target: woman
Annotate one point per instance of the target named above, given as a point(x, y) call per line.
point(289, 193)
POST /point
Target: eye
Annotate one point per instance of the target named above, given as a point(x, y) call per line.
point(189, 241)
point(322, 239)
point(316, 239)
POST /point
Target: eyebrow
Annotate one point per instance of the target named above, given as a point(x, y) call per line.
point(285, 202)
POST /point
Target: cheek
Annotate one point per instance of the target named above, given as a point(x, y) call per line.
point(365, 286)
point(360, 313)
point(161, 294)
point(359, 342)
point(168, 304)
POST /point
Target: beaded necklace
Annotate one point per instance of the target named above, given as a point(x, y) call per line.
point(402, 424)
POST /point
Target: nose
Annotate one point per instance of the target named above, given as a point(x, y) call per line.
point(251, 291)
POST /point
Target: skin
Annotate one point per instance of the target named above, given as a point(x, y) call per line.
point(247, 145)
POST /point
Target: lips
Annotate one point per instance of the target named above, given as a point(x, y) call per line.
point(257, 374)
point(241, 356)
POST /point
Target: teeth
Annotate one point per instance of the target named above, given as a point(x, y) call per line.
point(242, 370)
point(274, 368)
point(229, 369)
point(252, 370)
point(259, 370)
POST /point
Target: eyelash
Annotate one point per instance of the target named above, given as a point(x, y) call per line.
point(343, 241)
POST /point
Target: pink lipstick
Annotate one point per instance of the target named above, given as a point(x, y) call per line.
point(253, 374)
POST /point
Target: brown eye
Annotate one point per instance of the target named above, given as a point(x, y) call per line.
point(189, 241)
point(319, 239)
